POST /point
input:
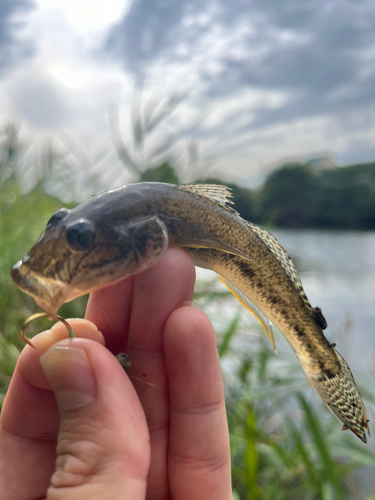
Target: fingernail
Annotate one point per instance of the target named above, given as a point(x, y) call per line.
point(190, 303)
point(69, 373)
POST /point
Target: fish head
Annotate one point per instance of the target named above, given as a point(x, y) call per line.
point(78, 253)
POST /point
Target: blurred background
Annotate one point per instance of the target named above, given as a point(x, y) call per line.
point(275, 99)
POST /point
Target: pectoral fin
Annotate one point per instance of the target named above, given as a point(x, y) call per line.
point(218, 245)
point(252, 308)
point(190, 235)
point(204, 239)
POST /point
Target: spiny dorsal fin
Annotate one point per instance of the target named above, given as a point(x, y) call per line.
point(283, 258)
point(220, 194)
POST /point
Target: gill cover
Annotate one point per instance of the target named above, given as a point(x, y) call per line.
point(150, 240)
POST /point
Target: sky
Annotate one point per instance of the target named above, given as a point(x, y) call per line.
point(245, 85)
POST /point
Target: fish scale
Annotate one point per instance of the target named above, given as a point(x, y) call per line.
point(283, 258)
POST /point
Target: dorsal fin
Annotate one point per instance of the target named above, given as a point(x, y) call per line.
point(215, 192)
point(284, 259)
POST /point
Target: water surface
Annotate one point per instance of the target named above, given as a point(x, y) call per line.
point(337, 270)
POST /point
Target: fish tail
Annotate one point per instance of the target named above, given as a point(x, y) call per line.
point(341, 396)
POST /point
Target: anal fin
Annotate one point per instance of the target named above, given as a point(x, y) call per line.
point(252, 308)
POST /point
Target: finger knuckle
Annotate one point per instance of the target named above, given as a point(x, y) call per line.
point(88, 451)
point(80, 454)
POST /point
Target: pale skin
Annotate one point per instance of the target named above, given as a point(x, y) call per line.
point(158, 431)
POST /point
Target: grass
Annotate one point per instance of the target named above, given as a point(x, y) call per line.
point(281, 446)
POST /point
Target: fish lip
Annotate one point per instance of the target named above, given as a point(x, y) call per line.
point(47, 294)
point(20, 278)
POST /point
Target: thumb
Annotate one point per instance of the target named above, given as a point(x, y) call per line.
point(103, 445)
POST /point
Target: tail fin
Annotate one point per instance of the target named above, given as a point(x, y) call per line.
point(341, 396)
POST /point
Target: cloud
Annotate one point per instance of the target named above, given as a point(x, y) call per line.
point(145, 32)
point(318, 53)
point(11, 50)
point(39, 101)
point(268, 80)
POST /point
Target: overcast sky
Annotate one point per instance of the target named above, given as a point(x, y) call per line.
point(265, 81)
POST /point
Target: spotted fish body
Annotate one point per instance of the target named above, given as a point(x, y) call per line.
point(123, 231)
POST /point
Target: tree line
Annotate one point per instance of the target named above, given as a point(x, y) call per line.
point(298, 196)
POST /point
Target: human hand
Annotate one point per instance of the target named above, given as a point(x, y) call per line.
point(157, 432)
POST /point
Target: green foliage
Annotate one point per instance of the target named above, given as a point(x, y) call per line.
point(276, 452)
point(22, 219)
point(163, 173)
point(287, 198)
point(297, 196)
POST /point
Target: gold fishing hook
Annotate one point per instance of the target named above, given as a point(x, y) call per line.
point(35, 316)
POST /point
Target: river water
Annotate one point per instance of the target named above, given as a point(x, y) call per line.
point(337, 270)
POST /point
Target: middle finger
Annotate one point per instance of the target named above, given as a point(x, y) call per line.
point(157, 292)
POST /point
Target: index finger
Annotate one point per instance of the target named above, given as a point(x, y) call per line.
point(109, 309)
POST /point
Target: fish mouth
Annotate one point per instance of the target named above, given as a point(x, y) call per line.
point(47, 292)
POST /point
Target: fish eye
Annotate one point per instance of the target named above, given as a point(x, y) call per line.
point(80, 235)
point(58, 216)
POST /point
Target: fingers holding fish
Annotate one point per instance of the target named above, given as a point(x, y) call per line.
point(28, 366)
point(29, 385)
point(199, 452)
point(30, 418)
point(103, 443)
point(110, 308)
point(157, 293)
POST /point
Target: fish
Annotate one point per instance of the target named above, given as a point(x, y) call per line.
point(123, 231)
